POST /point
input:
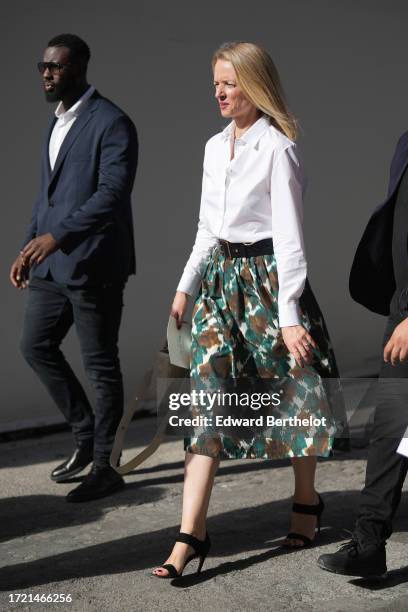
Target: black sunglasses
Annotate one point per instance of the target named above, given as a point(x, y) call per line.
point(53, 67)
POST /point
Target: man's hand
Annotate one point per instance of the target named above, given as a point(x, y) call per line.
point(19, 273)
point(299, 342)
point(38, 249)
point(396, 348)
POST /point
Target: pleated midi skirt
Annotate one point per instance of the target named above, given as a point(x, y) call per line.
point(236, 334)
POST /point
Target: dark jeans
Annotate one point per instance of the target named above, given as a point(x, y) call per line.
point(96, 312)
point(386, 469)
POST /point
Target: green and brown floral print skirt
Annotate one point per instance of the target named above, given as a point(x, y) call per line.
point(236, 334)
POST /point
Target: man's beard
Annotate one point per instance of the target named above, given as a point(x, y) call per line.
point(53, 96)
point(56, 94)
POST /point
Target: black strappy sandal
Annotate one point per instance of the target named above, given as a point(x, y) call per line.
point(315, 510)
point(201, 549)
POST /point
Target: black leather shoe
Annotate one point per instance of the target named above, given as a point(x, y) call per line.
point(100, 482)
point(80, 459)
point(356, 559)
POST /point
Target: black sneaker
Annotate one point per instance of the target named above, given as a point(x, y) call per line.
point(100, 482)
point(356, 559)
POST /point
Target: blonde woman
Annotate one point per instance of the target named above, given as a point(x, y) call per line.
point(249, 238)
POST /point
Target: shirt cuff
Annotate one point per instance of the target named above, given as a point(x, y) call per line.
point(189, 284)
point(289, 314)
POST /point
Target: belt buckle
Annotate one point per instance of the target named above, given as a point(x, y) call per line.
point(225, 242)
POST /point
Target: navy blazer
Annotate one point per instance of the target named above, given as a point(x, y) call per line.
point(372, 281)
point(85, 201)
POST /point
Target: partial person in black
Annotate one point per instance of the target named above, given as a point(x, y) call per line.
point(78, 253)
point(379, 281)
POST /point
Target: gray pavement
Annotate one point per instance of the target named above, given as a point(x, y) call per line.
point(102, 552)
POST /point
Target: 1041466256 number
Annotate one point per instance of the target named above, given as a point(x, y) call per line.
point(40, 598)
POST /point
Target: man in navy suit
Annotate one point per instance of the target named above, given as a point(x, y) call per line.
point(79, 252)
point(379, 281)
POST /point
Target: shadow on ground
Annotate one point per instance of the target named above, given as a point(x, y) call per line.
point(237, 532)
point(22, 516)
point(25, 515)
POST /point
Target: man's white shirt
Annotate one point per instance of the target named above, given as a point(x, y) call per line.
point(65, 121)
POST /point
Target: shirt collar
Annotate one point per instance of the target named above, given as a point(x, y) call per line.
point(252, 135)
point(75, 108)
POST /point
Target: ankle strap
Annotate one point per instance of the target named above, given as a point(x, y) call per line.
point(314, 509)
point(194, 542)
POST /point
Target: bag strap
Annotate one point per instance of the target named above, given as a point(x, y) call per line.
point(172, 372)
point(120, 438)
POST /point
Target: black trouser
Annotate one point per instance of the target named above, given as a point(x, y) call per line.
point(51, 310)
point(386, 469)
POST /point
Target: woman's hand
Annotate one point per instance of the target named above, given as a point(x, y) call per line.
point(299, 342)
point(179, 307)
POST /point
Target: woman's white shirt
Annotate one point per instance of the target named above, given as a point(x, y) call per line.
point(256, 195)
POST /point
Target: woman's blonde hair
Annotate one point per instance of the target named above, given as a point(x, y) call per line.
point(259, 80)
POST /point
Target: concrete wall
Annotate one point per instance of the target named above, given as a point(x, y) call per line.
point(343, 65)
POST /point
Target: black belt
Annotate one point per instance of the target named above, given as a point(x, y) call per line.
point(246, 249)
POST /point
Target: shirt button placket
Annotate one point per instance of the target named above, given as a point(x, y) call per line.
point(228, 173)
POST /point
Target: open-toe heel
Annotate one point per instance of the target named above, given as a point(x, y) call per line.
point(201, 549)
point(316, 510)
